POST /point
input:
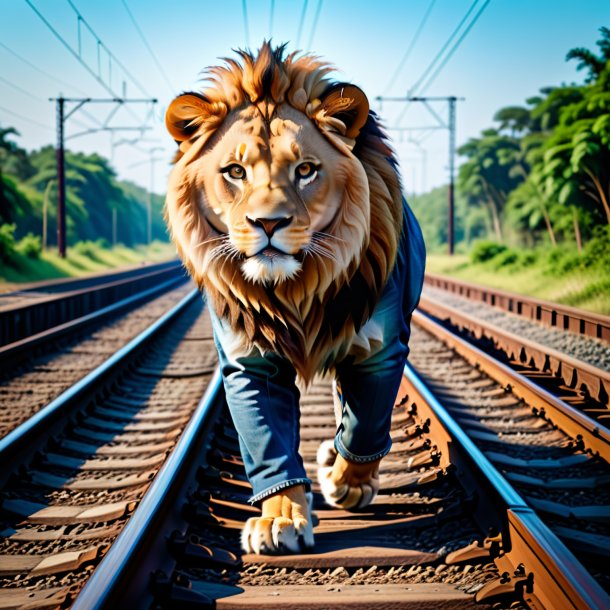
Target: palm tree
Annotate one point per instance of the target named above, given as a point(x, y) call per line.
point(588, 60)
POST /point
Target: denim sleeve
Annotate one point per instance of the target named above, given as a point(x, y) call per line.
point(263, 401)
point(369, 387)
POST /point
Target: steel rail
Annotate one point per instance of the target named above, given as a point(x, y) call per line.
point(575, 373)
point(548, 313)
point(106, 586)
point(573, 422)
point(18, 443)
point(13, 352)
point(19, 321)
point(65, 284)
point(532, 558)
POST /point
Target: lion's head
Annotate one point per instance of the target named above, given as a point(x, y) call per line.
point(284, 204)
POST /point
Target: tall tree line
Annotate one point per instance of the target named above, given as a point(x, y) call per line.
point(541, 174)
point(28, 196)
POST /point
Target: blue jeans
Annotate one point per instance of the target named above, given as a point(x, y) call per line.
point(264, 400)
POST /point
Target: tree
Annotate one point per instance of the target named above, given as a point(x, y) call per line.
point(486, 178)
point(594, 63)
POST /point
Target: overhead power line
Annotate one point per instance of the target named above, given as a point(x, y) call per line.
point(426, 73)
point(271, 18)
point(315, 24)
point(302, 20)
point(149, 48)
point(77, 54)
point(426, 86)
point(26, 118)
point(244, 10)
point(70, 49)
point(111, 55)
point(410, 48)
point(432, 64)
point(43, 72)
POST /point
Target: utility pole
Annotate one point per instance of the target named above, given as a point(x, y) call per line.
point(151, 189)
point(62, 117)
point(61, 179)
point(451, 202)
point(441, 124)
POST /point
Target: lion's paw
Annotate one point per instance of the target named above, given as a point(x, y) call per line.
point(345, 484)
point(275, 532)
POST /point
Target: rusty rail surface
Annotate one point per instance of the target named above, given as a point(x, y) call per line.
point(187, 553)
point(548, 313)
point(76, 471)
point(18, 321)
point(568, 418)
point(576, 374)
point(11, 354)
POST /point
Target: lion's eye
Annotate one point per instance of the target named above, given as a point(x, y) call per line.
point(306, 170)
point(235, 171)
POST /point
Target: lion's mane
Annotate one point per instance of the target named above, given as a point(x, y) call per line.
point(313, 318)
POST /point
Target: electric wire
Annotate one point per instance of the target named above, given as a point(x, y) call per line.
point(244, 10)
point(315, 24)
point(426, 86)
point(20, 89)
point(76, 55)
point(149, 48)
point(432, 64)
point(28, 119)
point(69, 48)
point(300, 30)
point(413, 90)
point(35, 67)
point(271, 19)
point(410, 48)
point(110, 54)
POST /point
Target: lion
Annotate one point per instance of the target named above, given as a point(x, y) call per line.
point(285, 206)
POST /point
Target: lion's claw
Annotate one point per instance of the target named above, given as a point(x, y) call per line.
point(347, 490)
point(280, 534)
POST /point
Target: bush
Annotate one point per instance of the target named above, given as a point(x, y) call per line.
point(505, 258)
point(485, 250)
point(7, 242)
point(30, 246)
point(596, 252)
point(86, 248)
point(102, 243)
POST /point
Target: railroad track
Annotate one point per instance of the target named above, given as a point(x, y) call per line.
point(548, 313)
point(576, 367)
point(81, 466)
point(455, 525)
point(495, 495)
point(48, 305)
point(36, 370)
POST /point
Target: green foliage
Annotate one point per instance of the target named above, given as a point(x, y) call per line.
point(486, 250)
point(28, 183)
point(596, 252)
point(88, 249)
point(543, 176)
point(7, 242)
point(29, 246)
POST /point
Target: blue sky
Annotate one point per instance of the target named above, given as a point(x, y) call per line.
point(515, 47)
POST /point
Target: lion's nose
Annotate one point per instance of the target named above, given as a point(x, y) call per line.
point(270, 225)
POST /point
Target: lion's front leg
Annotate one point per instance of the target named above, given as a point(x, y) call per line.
point(346, 484)
point(285, 524)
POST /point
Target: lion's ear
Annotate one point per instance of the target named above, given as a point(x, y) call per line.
point(348, 104)
point(186, 113)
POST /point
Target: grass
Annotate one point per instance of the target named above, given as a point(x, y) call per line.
point(584, 288)
point(77, 263)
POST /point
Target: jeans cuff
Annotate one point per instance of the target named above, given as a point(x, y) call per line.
point(361, 459)
point(278, 487)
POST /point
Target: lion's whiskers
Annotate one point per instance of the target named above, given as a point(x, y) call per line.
point(317, 248)
point(321, 235)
